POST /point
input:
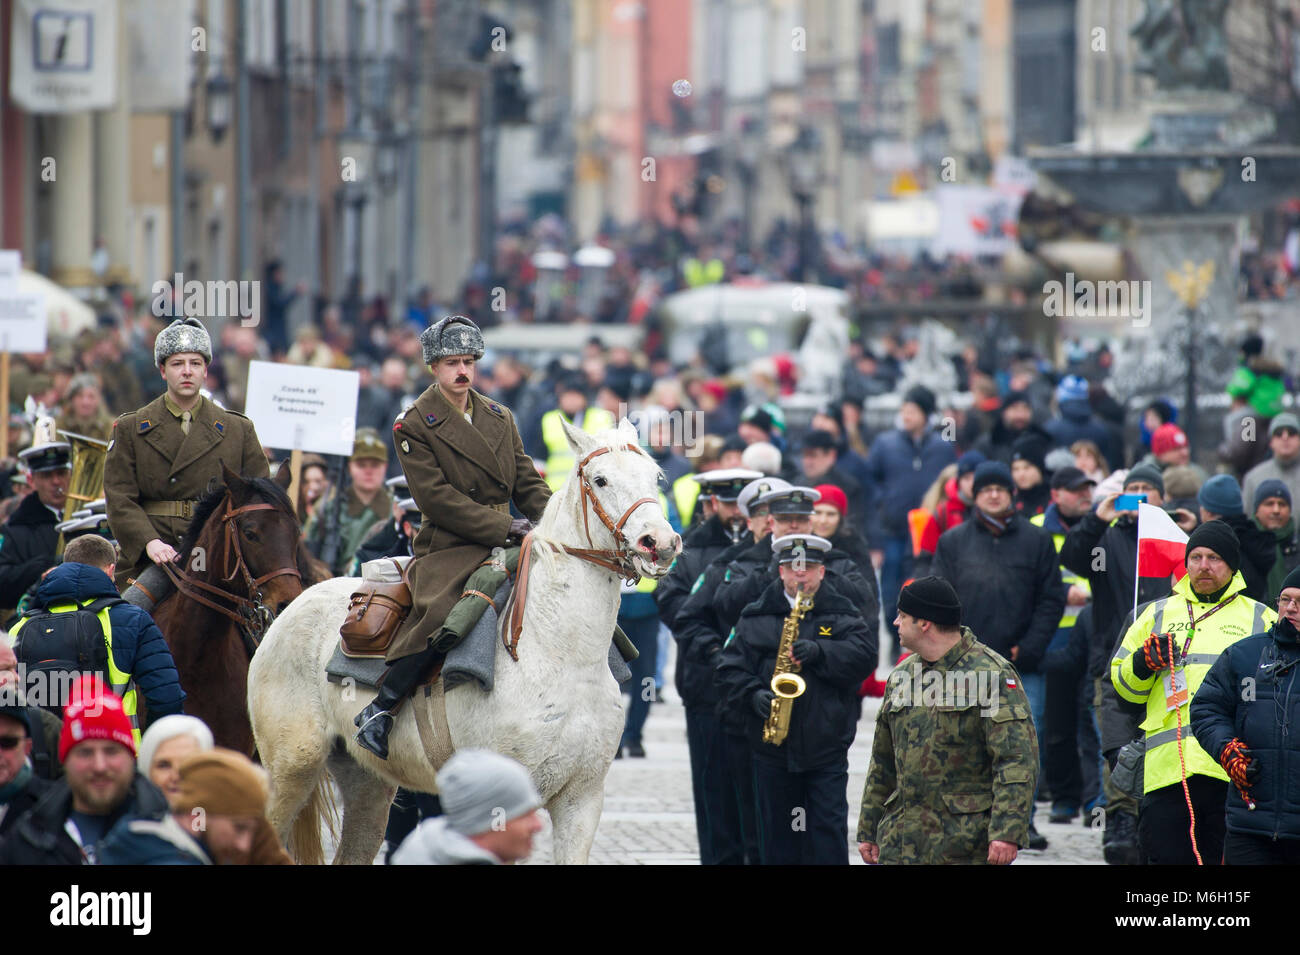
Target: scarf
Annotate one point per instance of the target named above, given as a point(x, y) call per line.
point(16, 785)
point(995, 524)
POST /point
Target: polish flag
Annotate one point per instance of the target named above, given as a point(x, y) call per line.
point(1162, 545)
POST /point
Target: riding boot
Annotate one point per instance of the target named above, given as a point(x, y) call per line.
point(398, 682)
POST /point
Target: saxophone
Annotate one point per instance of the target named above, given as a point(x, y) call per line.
point(787, 684)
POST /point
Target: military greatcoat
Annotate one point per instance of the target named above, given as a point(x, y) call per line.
point(954, 762)
point(151, 459)
point(463, 477)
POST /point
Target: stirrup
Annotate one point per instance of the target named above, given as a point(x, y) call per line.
point(378, 745)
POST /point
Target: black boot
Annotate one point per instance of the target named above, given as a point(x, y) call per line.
point(376, 720)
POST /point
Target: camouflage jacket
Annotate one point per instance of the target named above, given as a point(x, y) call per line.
point(954, 762)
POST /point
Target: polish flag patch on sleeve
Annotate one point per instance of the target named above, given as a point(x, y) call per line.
point(1011, 683)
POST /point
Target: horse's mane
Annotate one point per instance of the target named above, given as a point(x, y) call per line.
point(263, 487)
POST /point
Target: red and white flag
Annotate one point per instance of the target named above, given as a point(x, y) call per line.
point(1162, 545)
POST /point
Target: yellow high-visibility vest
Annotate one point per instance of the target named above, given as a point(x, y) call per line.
point(559, 458)
point(119, 682)
point(1068, 577)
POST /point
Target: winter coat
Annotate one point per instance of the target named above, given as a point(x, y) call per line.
point(824, 719)
point(16, 807)
point(902, 470)
point(41, 837)
point(1221, 712)
point(843, 571)
point(856, 495)
point(463, 476)
point(385, 539)
point(138, 645)
point(1033, 501)
point(1009, 586)
point(1286, 558)
point(950, 776)
point(1110, 574)
point(699, 631)
point(27, 543)
point(700, 546)
point(433, 843)
point(952, 510)
point(354, 524)
point(1076, 422)
point(134, 841)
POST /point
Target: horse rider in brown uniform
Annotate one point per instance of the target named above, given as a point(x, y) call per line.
point(464, 462)
point(161, 458)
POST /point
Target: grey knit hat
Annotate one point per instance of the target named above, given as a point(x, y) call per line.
point(182, 335)
point(480, 789)
point(453, 335)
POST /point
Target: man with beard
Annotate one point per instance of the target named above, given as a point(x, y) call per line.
point(99, 787)
point(1248, 733)
point(1005, 572)
point(1160, 666)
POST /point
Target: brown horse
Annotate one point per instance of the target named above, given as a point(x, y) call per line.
point(241, 562)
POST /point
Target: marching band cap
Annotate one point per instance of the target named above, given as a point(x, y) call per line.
point(726, 483)
point(791, 500)
point(398, 484)
point(748, 497)
point(453, 335)
point(806, 547)
point(369, 446)
point(54, 456)
point(182, 335)
point(408, 506)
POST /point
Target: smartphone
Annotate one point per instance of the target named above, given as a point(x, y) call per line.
point(1129, 502)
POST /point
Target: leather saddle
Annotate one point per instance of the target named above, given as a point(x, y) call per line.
point(375, 613)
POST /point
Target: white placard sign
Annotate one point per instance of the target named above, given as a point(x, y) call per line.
point(296, 406)
point(22, 321)
point(11, 264)
point(63, 55)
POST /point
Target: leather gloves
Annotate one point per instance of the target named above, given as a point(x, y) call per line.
point(1158, 653)
point(519, 528)
point(1241, 767)
point(807, 652)
point(763, 703)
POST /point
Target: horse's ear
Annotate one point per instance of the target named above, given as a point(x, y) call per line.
point(283, 476)
point(628, 430)
point(235, 484)
point(579, 440)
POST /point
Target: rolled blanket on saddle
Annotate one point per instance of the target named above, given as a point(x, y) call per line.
point(469, 634)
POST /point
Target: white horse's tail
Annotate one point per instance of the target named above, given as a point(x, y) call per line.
point(304, 835)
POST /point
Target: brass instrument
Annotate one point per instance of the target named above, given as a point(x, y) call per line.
point(787, 684)
point(86, 482)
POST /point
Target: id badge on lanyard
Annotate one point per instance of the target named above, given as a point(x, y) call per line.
point(1175, 682)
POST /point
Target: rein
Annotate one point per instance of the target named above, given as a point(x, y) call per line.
point(617, 560)
point(247, 612)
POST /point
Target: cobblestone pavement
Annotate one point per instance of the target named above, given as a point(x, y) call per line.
point(649, 817)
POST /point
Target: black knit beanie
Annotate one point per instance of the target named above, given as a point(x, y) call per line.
point(1292, 580)
point(1218, 537)
point(931, 598)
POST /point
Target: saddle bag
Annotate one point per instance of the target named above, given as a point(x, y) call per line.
point(375, 612)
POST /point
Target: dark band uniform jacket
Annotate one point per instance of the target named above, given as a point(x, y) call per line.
point(152, 460)
point(463, 476)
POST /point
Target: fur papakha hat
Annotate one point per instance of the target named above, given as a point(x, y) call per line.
point(453, 335)
point(182, 335)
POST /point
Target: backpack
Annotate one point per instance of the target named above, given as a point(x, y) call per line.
point(59, 645)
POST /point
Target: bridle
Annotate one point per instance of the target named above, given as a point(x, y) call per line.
point(618, 559)
point(249, 613)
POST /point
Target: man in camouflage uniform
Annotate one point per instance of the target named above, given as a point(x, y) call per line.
point(162, 456)
point(954, 762)
point(366, 502)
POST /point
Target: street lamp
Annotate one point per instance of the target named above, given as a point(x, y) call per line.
point(803, 170)
point(218, 105)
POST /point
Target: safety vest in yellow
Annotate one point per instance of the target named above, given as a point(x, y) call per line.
point(699, 273)
point(686, 491)
point(1068, 577)
point(1237, 619)
point(118, 681)
point(559, 458)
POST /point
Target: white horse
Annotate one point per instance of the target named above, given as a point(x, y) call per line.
point(557, 709)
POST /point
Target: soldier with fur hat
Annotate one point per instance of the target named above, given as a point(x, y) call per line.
point(162, 456)
point(465, 464)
